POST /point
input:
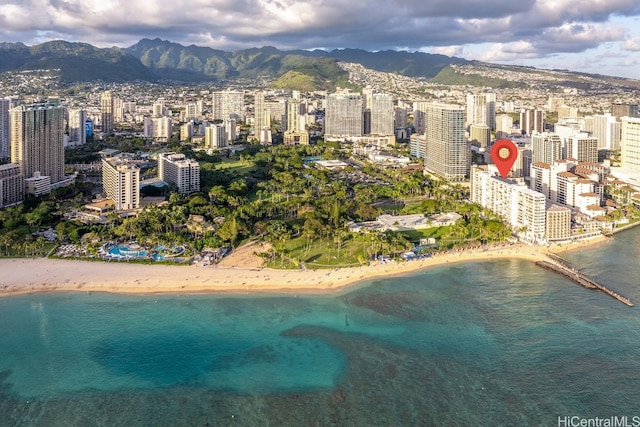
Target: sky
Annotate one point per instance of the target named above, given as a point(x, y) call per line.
point(593, 36)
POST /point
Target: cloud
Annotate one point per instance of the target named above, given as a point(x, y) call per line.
point(541, 27)
point(632, 44)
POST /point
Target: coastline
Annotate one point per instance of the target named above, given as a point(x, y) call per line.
point(26, 276)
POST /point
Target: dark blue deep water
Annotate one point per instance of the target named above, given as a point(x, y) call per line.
point(484, 343)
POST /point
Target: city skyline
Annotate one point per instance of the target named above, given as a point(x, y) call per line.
point(593, 36)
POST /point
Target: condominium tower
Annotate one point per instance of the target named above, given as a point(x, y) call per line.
point(37, 140)
point(5, 104)
point(106, 111)
point(343, 118)
point(447, 149)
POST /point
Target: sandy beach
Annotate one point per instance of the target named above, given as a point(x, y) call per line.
point(25, 276)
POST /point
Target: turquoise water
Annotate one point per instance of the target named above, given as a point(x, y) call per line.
point(485, 343)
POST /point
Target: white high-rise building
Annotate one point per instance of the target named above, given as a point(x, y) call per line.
point(77, 131)
point(343, 117)
point(261, 115)
point(476, 109)
point(521, 207)
point(630, 143)
point(608, 131)
point(547, 147)
point(160, 128)
point(491, 110)
point(5, 105)
point(447, 152)
point(228, 104)
point(504, 125)
point(191, 111)
point(37, 140)
point(175, 168)
point(531, 121)
point(121, 182)
point(382, 115)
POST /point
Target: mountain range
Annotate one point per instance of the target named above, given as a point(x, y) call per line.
point(158, 60)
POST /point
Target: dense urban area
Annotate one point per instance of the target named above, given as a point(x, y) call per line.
point(388, 167)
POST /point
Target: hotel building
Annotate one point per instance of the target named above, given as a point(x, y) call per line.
point(630, 143)
point(11, 185)
point(176, 169)
point(521, 207)
point(121, 182)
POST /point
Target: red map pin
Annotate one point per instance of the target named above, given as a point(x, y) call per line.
point(504, 154)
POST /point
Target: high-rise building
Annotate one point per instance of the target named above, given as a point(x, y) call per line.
point(121, 182)
point(228, 104)
point(608, 131)
point(367, 97)
point(191, 111)
point(583, 148)
point(558, 223)
point(215, 136)
point(547, 147)
point(11, 185)
point(382, 114)
point(418, 145)
point(554, 103)
point(294, 134)
point(630, 143)
point(491, 110)
point(521, 207)
point(476, 109)
point(106, 112)
point(5, 105)
point(400, 115)
point(175, 168)
point(447, 152)
point(159, 108)
point(419, 109)
point(77, 129)
point(343, 117)
point(37, 140)
point(531, 120)
point(480, 134)
point(261, 117)
point(625, 110)
point(504, 125)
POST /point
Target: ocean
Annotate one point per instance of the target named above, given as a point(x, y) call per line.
point(475, 344)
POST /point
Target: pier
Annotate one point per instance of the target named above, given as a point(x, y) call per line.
point(582, 279)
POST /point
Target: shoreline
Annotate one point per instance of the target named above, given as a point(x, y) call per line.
point(22, 276)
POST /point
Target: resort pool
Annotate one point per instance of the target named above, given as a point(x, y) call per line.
point(127, 251)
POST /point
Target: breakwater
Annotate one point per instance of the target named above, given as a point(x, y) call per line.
point(581, 279)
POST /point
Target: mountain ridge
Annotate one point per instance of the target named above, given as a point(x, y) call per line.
point(156, 60)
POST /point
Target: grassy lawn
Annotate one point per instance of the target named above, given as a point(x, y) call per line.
point(241, 167)
point(323, 253)
point(416, 235)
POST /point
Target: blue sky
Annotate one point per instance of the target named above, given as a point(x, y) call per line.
point(594, 36)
